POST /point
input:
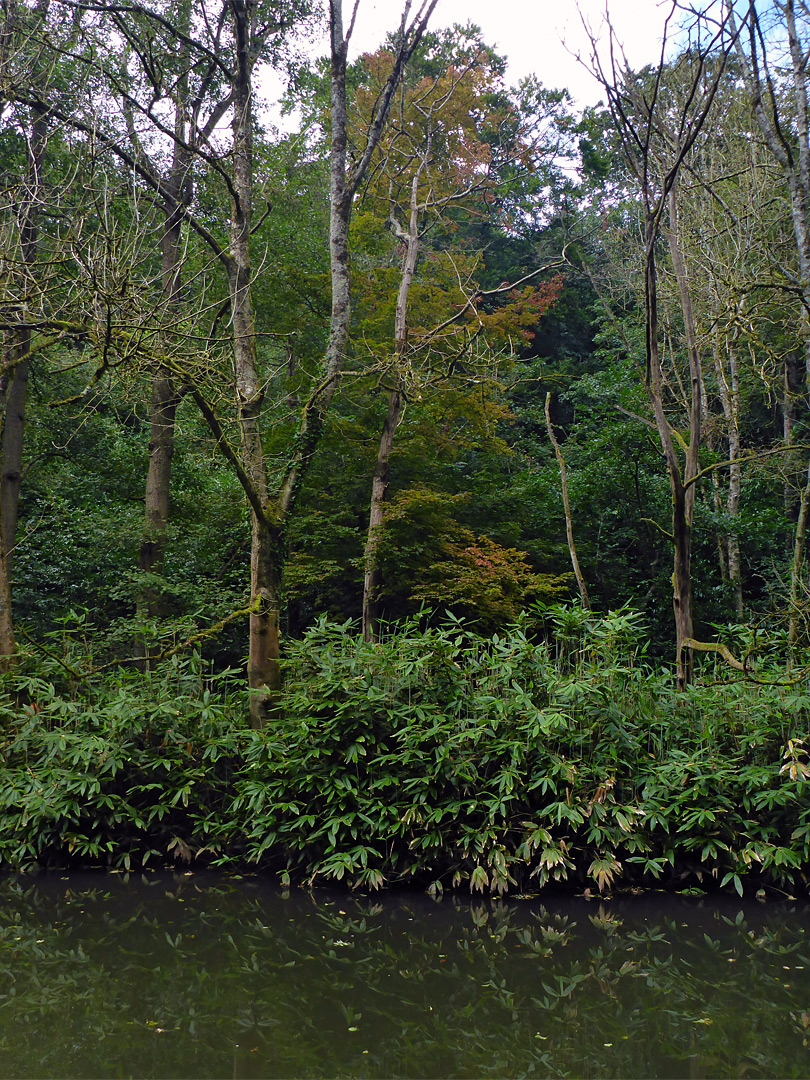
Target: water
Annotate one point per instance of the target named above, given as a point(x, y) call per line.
point(198, 976)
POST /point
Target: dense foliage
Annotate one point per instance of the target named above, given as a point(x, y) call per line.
point(435, 756)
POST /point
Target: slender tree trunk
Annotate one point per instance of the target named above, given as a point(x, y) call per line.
point(158, 482)
point(729, 391)
point(8, 645)
point(379, 485)
point(684, 495)
point(734, 491)
point(16, 400)
point(264, 651)
point(266, 559)
point(163, 410)
point(13, 437)
point(569, 524)
point(14, 381)
point(791, 395)
point(396, 401)
point(165, 396)
point(798, 600)
point(682, 583)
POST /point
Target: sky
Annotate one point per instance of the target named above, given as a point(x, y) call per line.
point(533, 34)
point(537, 37)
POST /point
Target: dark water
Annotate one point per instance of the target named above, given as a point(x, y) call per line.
point(195, 976)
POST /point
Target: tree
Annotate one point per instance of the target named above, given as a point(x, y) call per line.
point(440, 167)
point(657, 133)
point(226, 46)
point(782, 114)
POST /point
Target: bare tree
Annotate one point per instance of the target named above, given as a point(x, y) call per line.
point(657, 131)
point(782, 114)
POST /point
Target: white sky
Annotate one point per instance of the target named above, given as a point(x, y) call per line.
point(537, 37)
point(530, 33)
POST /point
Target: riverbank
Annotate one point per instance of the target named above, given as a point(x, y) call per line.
point(435, 758)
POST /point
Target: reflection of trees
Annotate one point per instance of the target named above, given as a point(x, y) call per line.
point(171, 977)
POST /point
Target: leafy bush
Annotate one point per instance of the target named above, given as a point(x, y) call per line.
point(138, 768)
point(436, 757)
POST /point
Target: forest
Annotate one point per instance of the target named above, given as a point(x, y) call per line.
point(405, 475)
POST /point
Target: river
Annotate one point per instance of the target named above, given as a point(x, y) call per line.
point(194, 975)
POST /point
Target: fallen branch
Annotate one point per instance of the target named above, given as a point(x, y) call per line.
point(711, 646)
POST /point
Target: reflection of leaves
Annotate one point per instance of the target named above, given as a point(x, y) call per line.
point(448, 989)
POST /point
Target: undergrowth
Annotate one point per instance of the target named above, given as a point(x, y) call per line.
point(435, 757)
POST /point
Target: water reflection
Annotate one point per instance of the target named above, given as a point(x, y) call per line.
point(167, 976)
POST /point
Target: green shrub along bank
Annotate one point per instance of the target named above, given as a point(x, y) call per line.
point(436, 757)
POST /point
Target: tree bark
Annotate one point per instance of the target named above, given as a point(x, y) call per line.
point(163, 410)
point(681, 480)
point(158, 485)
point(681, 499)
point(16, 400)
point(684, 494)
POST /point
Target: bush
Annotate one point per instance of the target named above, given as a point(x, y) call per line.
point(436, 757)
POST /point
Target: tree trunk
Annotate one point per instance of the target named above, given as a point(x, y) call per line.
point(791, 395)
point(163, 409)
point(264, 650)
point(14, 421)
point(682, 496)
point(8, 646)
point(13, 434)
point(161, 450)
point(266, 558)
point(379, 485)
point(15, 395)
point(569, 524)
point(682, 581)
point(684, 490)
point(798, 599)
point(396, 401)
point(729, 391)
point(165, 396)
